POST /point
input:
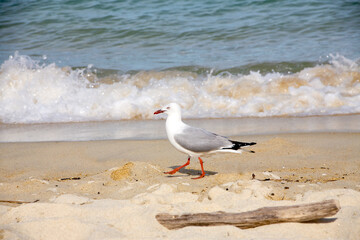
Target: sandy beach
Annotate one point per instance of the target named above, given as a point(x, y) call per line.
point(84, 151)
point(113, 189)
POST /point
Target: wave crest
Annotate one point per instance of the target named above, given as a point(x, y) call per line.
point(34, 93)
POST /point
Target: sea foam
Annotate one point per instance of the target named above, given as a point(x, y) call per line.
point(32, 92)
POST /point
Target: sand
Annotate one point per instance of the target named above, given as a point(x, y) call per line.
point(113, 189)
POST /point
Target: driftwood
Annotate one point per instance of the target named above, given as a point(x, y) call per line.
point(16, 202)
point(69, 178)
point(259, 217)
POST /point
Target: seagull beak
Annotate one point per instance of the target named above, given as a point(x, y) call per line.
point(159, 111)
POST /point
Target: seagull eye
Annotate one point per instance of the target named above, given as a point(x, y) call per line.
point(168, 108)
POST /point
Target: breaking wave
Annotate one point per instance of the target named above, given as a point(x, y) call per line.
point(34, 92)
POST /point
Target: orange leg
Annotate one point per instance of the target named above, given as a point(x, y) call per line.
point(202, 170)
point(177, 169)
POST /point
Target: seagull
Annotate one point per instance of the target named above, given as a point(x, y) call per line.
point(194, 141)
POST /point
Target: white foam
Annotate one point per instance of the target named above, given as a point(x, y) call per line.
point(35, 93)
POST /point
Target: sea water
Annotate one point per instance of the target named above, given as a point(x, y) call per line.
point(34, 93)
point(66, 61)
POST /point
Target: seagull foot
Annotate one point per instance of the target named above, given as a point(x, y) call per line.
point(201, 176)
point(202, 170)
point(177, 169)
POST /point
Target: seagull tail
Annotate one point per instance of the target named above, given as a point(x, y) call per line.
point(238, 145)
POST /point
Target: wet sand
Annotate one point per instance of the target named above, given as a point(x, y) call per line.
point(154, 129)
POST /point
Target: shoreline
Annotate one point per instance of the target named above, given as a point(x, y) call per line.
point(155, 129)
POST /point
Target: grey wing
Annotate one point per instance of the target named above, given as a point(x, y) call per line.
point(199, 140)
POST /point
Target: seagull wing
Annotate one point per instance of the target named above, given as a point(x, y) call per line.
point(201, 141)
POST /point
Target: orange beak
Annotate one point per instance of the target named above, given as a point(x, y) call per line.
point(159, 111)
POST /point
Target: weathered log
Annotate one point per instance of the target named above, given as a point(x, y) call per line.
point(250, 219)
point(69, 178)
point(16, 202)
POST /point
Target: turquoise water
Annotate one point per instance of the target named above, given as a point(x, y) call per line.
point(70, 61)
point(157, 34)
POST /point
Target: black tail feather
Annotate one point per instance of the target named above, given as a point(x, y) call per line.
point(238, 145)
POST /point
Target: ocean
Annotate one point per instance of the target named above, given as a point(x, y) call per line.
point(80, 61)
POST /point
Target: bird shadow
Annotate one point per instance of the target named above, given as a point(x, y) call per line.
point(191, 172)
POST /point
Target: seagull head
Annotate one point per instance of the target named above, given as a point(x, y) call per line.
point(169, 109)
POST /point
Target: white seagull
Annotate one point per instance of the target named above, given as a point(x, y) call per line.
point(193, 141)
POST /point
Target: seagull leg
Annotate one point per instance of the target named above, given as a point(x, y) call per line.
point(202, 170)
point(177, 169)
